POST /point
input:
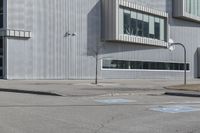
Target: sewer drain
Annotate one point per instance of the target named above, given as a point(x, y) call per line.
point(114, 101)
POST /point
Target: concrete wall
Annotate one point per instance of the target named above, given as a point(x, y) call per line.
point(50, 55)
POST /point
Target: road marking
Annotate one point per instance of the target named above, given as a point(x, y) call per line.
point(114, 101)
point(176, 109)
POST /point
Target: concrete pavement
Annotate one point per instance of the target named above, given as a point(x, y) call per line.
point(87, 88)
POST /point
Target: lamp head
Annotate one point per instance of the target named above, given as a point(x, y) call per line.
point(170, 46)
point(171, 41)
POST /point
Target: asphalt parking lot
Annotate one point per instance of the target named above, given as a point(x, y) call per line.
point(138, 113)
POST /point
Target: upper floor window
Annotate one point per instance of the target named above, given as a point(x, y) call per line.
point(142, 24)
point(126, 21)
point(187, 9)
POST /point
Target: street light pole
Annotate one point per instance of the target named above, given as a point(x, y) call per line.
point(96, 73)
point(185, 64)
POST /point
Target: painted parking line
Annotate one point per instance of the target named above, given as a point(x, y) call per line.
point(175, 109)
point(114, 101)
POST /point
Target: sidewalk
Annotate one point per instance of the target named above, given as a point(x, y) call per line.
point(77, 88)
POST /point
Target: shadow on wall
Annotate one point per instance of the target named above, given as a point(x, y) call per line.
point(94, 37)
point(94, 29)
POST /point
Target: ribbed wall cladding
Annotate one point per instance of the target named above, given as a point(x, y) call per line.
point(49, 54)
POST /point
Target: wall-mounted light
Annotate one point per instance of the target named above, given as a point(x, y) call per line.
point(70, 34)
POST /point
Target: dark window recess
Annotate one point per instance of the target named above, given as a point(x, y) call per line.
point(1, 6)
point(157, 30)
point(1, 73)
point(1, 21)
point(1, 46)
point(1, 62)
point(121, 64)
point(146, 29)
point(127, 18)
point(133, 26)
point(1, 13)
point(140, 28)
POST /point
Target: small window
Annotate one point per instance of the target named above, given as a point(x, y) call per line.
point(123, 64)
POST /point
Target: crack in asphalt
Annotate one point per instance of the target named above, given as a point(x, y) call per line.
point(103, 125)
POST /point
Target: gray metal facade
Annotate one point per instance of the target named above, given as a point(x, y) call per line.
point(49, 54)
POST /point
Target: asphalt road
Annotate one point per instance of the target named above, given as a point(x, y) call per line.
point(26, 113)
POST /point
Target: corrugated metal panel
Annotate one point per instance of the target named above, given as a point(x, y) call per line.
point(50, 55)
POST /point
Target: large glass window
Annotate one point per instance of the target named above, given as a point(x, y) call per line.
point(123, 64)
point(144, 25)
point(1, 13)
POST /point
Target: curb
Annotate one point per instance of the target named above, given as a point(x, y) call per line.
point(186, 94)
point(30, 92)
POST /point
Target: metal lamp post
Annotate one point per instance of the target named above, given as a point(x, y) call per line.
point(171, 47)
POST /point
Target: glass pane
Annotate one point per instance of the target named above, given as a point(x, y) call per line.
point(1, 6)
point(187, 6)
point(195, 7)
point(198, 7)
point(1, 73)
point(146, 25)
point(192, 7)
point(151, 27)
point(145, 65)
point(188, 66)
point(1, 46)
point(121, 22)
point(127, 18)
point(133, 23)
point(1, 62)
point(1, 13)
point(162, 29)
point(157, 28)
point(139, 24)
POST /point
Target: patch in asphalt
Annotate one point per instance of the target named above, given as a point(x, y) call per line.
point(114, 101)
point(175, 109)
